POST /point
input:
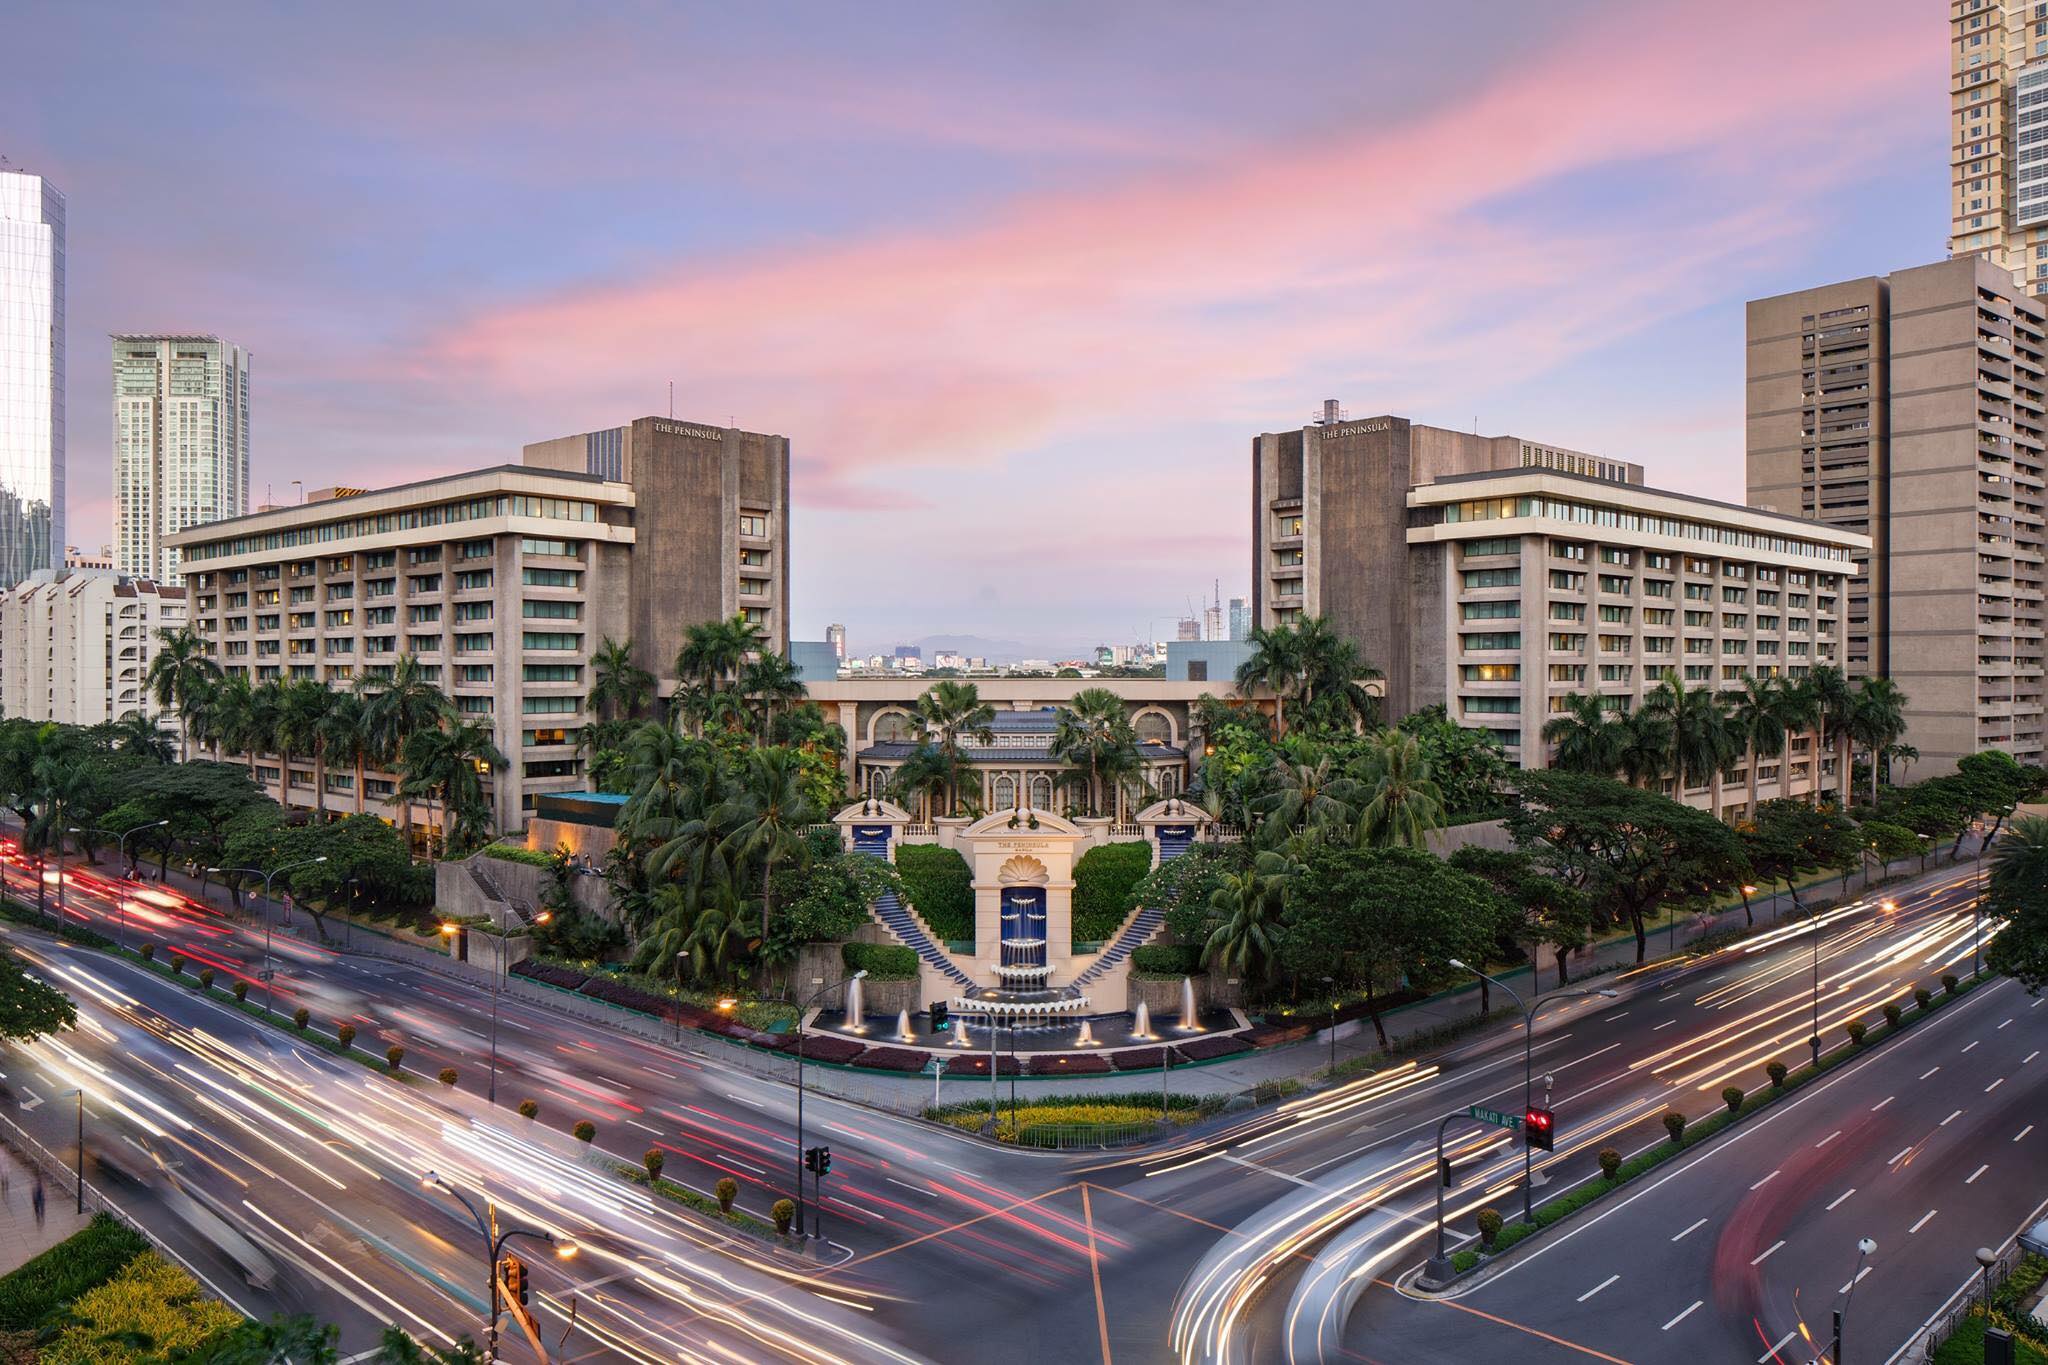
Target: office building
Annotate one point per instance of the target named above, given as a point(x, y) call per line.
point(31, 375)
point(75, 558)
point(500, 582)
point(1998, 155)
point(1497, 576)
point(835, 636)
point(1911, 407)
point(181, 443)
point(1240, 619)
point(79, 642)
point(1212, 622)
point(1188, 628)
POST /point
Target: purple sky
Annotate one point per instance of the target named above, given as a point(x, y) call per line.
point(1018, 281)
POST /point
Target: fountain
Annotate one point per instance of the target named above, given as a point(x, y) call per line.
point(854, 1011)
point(903, 1033)
point(1023, 996)
point(1087, 1038)
point(1190, 1022)
point(1142, 1027)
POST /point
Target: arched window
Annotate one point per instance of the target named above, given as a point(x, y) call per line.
point(878, 782)
point(894, 727)
point(1169, 783)
point(1153, 726)
point(1006, 792)
point(1041, 791)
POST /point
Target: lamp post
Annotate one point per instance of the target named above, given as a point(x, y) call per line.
point(1529, 1067)
point(1986, 1260)
point(121, 931)
point(1814, 1041)
point(1863, 1250)
point(1976, 909)
point(803, 1010)
point(499, 973)
point(493, 1246)
point(78, 1158)
point(269, 990)
point(1331, 982)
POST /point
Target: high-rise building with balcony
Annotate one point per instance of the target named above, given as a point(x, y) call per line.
point(79, 643)
point(31, 375)
point(1998, 136)
point(181, 443)
point(1910, 407)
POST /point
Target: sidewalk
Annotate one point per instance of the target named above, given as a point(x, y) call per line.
point(22, 1238)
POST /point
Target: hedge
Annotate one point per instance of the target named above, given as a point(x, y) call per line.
point(148, 1300)
point(519, 853)
point(40, 1288)
point(1103, 880)
point(882, 961)
point(1167, 959)
point(941, 888)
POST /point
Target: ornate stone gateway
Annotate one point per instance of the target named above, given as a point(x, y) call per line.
point(1023, 866)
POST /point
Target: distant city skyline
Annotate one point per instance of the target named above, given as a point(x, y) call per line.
point(1002, 337)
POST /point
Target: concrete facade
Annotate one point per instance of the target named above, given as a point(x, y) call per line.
point(1998, 176)
point(181, 444)
point(78, 645)
point(1912, 406)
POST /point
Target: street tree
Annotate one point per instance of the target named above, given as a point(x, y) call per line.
point(2018, 895)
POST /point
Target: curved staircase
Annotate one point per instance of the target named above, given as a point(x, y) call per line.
point(910, 932)
point(1143, 925)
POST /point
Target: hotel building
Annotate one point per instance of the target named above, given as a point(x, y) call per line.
point(181, 444)
point(79, 643)
point(1911, 406)
point(501, 582)
point(1998, 155)
point(1496, 576)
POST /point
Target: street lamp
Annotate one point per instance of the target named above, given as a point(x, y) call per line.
point(269, 990)
point(78, 1170)
point(563, 1248)
point(1986, 1259)
point(1529, 1067)
point(121, 932)
point(1814, 1041)
point(801, 1011)
point(1864, 1248)
point(1331, 982)
point(1976, 911)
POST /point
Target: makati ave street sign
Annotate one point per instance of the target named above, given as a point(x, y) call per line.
point(1512, 1122)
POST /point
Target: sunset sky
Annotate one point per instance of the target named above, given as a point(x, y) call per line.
point(1019, 281)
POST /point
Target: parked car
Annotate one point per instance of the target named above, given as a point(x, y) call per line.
point(2035, 1238)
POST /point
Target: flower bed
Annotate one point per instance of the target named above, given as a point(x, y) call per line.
point(976, 1064)
point(1212, 1045)
point(1069, 1064)
point(892, 1059)
point(1138, 1058)
point(825, 1048)
point(567, 978)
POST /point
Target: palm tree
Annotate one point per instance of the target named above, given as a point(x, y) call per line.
point(1276, 663)
point(398, 707)
point(1310, 795)
point(1334, 674)
point(2019, 861)
point(1799, 713)
point(1878, 719)
point(447, 766)
point(768, 815)
point(300, 727)
point(713, 651)
point(1094, 731)
point(619, 688)
point(952, 711)
point(1247, 909)
point(920, 781)
point(137, 733)
point(1701, 745)
point(1905, 755)
point(1834, 705)
point(1587, 738)
point(267, 732)
point(1757, 711)
point(1645, 745)
point(771, 681)
point(231, 721)
point(344, 734)
point(1402, 802)
point(181, 677)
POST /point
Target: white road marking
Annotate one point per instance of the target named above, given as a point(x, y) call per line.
point(1929, 1072)
point(2030, 1056)
point(1882, 1103)
point(1623, 1014)
point(917, 1188)
point(1765, 1181)
point(1858, 1280)
point(1665, 1025)
point(1694, 1228)
point(743, 1099)
point(1974, 1174)
point(1766, 1253)
point(1903, 1154)
point(1683, 1316)
point(1922, 1223)
point(2023, 1132)
point(1829, 1138)
point(1973, 1044)
point(1840, 1197)
point(1994, 1085)
point(2001, 1025)
point(1598, 1287)
point(1950, 1119)
point(1776, 1347)
point(645, 1128)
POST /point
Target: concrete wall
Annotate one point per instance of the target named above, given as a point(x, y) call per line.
point(1479, 834)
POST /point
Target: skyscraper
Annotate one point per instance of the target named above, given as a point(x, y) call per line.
point(31, 375)
point(835, 636)
point(1240, 619)
point(1998, 174)
point(181, 443)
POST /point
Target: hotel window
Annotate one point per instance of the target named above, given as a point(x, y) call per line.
point(753, 559)
point(753, 587)
point(473, 611)
point(1490, 672)
point(540, 706)
point(340, 592)
point(556, 611)
point(1497, 545)
point(1698, 592)
point(473, 549)
point(1287, 559)
point(474, 673)
point(424, 583)
point(1564, 549)
point(336, 620)
point(1731, 620)
point(1617, 644)
point(341, 564)
point(1489, 611)
point(1735, 646)
point(473, 706)
point(536, 639)
point(752, 524)
point(1568, 673)
point(1617, 673)
point(380, 644)
point(1567, 582)
point(1653, 560)
point(470, 644)
point(380, 616)
point(266, 622)
point(301, 596)
point(381, 559)
point(1561, 644)
point(1766, 623)
point(1492, 706)
point(1699, 646)
point(1657, 644)
point(755, 616)
point(1616, 616)
point(380, 587)
point(1736, 596)
point(553, 673)
point(564, 548)
point(1289, 526)
point(1617, 584)
point(1483, 578)
point(1657, 616)
point(423, 644)
point(1657, 587)
point(474, 580)
point(1610, 555)
point(1498, 639)
point(538, 738)
point(1567, 611)
point(551, 578)
point(1699, 672)
point(422, 616)
point(1699, 565)
point(429, 554)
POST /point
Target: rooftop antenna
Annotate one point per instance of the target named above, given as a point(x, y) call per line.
point(671, 399)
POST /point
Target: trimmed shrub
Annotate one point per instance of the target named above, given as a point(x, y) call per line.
point(1923, 997)
point(1610, 1162)
point(653, 1160)
point(784, 1212)
point(1489, 1221)
point(1856, 1028)
point(241, 989)
point(41, 1288)
point(1776, 1071)
point(394, 1055)
point(301, 1017)
point(149, 1300)
point(1732, 1097)
point(940, 887)
point(584, 1131)
point(1103, 880)
point(1167, 959)
point(519, 853)
point(206, 978)
point(346, 1036)
point(1674, 1124)
point(177, 965)
point(1891, 1013)
point(727, 1189)
point(528, 1108)
point(882, 961)
point(447, 1075)
point(149, 952)
point(1949, 983)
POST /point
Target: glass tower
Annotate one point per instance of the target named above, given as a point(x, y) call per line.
point(31, 375)
point(181, 444)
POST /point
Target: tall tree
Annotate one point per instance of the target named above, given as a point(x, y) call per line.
point(1399, 802)
point(447, 766)
point(1834, 706)
point(344, 736)
point(398, 707)
point(1586, 735)
point(2018, 896)
point(1334, 675)
point(1308, 795)
point(1277, 664)
point(952, 712)
point(1878, 719)
point(1246, 910)
point(1758, 711)
point(1701, 746)
point(619, 688)
point(300, 728)
point(1094, 731)
point(182, 676)
point(767, 815)
point(1799, 714)
point(771, 683)
point(1645, 748)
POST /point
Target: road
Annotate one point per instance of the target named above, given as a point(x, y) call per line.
point(1254, 1239)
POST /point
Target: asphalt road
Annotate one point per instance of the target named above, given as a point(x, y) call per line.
point(1220, 1248)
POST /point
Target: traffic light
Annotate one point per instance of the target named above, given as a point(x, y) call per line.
point(515, 1280)
point(939, 1021)
point(1444, 1174)
point(1539, 1128)
point(818, 1160)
